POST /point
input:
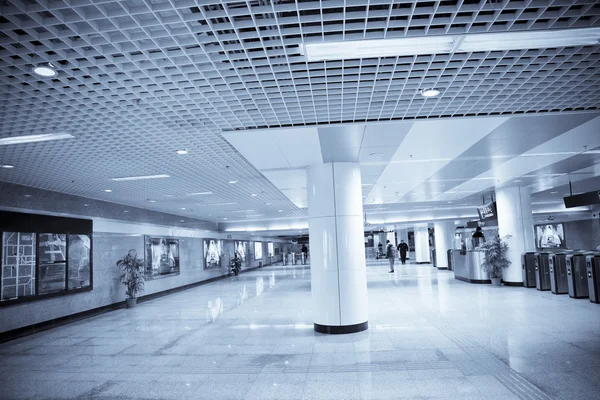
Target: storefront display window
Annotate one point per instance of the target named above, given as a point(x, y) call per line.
point(52, 262)
point(79, 261)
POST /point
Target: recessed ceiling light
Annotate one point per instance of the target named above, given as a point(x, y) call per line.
point(267, 204)
point(376, 155)
point(225, 218)
point(220, 204)
point(151, 201)
point(27, 195)
point(554, 192)
point(125, 211)
point(182, 208)
point(7, 166)
point(45, 70)
point(108, 190)
point(233, 182)
point(34, 138)
point(430, 92)
point(181, 220)
point(85, 205)
point(139, 178)
point(279, 210)
point(181, 152)
point(253, 195)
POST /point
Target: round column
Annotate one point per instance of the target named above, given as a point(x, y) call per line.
point(335, 225)
point(422, 244)
point(443, 232)
point(515, 219)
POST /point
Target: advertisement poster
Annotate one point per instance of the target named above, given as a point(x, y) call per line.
point(162, 257)
point(213, 251)
point(258, 250)
point(550, 236)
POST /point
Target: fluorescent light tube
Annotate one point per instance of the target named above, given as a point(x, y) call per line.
point(378, 48)
point(220, 204)
point(199, 193)
point(409, 46)
point(34, 138)
point(530, 40)
point(140, 178)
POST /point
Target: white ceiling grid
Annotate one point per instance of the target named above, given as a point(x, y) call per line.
point(139, 79)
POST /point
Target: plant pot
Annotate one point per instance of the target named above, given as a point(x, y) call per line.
point(130, 303)
point(496, 281)
point(236, 272)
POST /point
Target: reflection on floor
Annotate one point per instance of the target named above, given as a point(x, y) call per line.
point(251, 337)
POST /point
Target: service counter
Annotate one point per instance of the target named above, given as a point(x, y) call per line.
point(467, 266)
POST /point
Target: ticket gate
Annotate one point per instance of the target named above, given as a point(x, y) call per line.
point(542, 271)
point(577, 276)
point(528, 264)
point(558, 273)
point(450, 266)
point(593, 276)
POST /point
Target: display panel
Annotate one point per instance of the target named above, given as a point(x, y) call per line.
point(52, 255)
point(258, 250)
point(550, 236)
point(79, 261)
point(241, 249)
point(162, 257)
point(270, 249)
point(18, 265)
point(213, 252)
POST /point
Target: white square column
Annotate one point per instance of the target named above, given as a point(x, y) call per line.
point(444, 233)
point(422, 244)
point(515, 219)
point(336, 234)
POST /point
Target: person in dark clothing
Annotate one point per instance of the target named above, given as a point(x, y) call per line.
point(379, 250)
point(478, 237)
point(389, 254)
point(478, 233)
point(403, 249)
point(304, 249)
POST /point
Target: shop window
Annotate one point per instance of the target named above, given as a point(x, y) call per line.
point(52, 262)
point(79, 261)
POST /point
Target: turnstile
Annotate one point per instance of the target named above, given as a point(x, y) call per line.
point(528, 265)
point(450, 266)
point(303, 258)
point(593, 276)
point(558, 273)
point(433, 259)
point(577, 276)
point(542, 271)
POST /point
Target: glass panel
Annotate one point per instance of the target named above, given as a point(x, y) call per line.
point(18, 265)
point(79, 261)
point(52, 254)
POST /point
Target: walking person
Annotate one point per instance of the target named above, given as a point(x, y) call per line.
point(403, 249)
point(389, 254)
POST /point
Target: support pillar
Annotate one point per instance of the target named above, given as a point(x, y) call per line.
point(422, 244)
point(335, 223)
point(444, 233)
point(515, 219)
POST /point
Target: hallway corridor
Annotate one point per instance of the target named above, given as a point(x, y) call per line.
point(251, 337)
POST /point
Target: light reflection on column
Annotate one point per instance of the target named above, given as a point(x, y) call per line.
point(214, 309)
point(260, 286)
point(272, 280)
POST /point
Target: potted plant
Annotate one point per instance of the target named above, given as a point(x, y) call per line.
point(132, 277)
point(236, 264)
point(495, 259)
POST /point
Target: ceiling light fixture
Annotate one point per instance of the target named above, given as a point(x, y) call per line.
point(220, 204)
point(45, 70)
point(140, 178)
point(181, 152)
point(430, 92)
point(7, 166)
point(151, 201)
point(233, 182)
point(353, 49)
point(199, 193)
point(108, 190)
point(34, 138)
point(376, 155)
point(253, 195)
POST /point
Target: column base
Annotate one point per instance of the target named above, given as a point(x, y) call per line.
point(341, 330)
point(513, 283)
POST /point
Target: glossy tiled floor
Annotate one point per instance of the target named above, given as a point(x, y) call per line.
point(251, 337)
